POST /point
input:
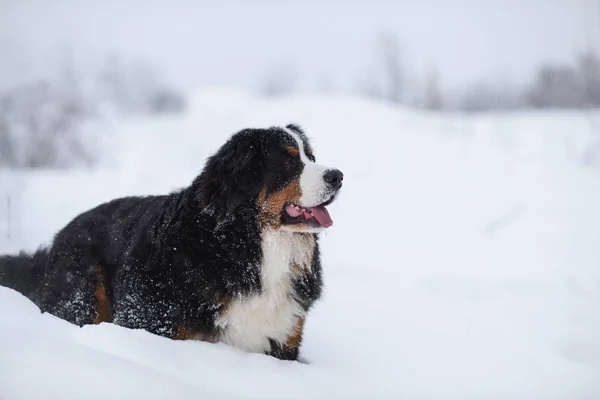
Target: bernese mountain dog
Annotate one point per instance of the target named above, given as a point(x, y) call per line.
point(233, 257)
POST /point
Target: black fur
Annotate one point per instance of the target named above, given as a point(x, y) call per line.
point(24, 272)
point(173, 260)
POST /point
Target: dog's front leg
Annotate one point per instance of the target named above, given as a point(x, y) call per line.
point(290, 349)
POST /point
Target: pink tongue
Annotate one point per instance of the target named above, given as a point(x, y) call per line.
point(322, 215)
point(292, 211)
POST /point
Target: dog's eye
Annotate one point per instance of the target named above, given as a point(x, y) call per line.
point(293, 151)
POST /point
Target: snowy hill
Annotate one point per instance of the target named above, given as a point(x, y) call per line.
point(463, 261)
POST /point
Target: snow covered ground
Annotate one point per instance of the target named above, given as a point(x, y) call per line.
point(464, 261)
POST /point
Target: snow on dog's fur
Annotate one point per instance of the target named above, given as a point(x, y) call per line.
point(234, 257)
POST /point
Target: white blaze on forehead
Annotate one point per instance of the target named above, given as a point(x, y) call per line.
point(313, 186)
point(300, 143)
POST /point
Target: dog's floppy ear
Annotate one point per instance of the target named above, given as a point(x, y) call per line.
point(241, 166)
point(234, 175)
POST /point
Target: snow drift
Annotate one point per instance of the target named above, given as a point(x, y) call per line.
point(463, 262)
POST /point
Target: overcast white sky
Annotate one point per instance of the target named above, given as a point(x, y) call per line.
point(237, 43)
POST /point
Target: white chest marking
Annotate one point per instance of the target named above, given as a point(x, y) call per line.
point(250, 322)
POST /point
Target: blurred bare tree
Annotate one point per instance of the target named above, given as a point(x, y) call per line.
point(45, 122)
point(556, 86)
point(565, 86)
point(589, 67)
point(41, 122)
point(391, 57)
point(432, 97)
point(386, 78)
point(136, 89)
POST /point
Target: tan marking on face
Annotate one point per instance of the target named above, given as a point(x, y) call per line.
point(103, 306)
point(293, 151)
point(295, 338)
point(271, 206)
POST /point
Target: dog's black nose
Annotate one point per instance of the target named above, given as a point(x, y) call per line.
point(333, 178)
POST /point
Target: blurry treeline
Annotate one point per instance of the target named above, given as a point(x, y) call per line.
point(574, 85)
point(558, 86)
point(53, 121)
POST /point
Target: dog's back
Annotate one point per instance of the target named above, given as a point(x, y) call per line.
point(73, 278)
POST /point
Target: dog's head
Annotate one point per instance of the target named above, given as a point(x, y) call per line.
point(276, 170)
